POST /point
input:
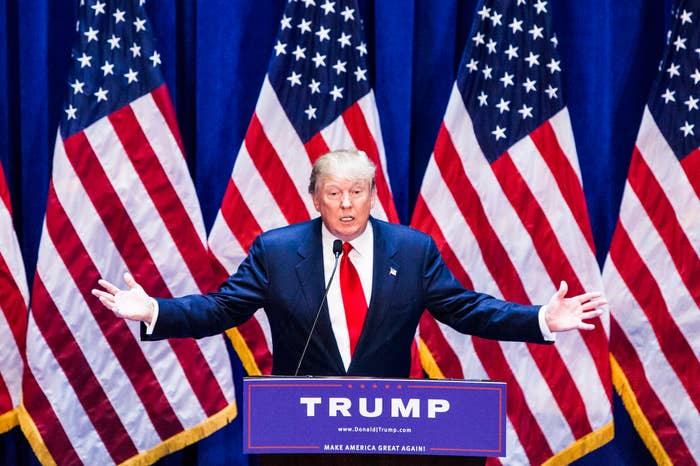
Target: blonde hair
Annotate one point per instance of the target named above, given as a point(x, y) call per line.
point(347, 163)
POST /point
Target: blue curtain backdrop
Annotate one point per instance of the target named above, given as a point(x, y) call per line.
point(215, 54)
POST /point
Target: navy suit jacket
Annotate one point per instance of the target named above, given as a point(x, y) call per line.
point(283, 274)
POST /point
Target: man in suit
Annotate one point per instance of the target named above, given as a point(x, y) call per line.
point(389, 274)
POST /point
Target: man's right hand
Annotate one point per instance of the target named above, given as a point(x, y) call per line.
point(133, 303)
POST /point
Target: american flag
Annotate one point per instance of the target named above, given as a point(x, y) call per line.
point(13, 313)
point(120, 199)
point(502, 196)
point(652, 273)
point(315, 97)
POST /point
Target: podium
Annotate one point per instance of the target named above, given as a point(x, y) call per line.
point(348, 420)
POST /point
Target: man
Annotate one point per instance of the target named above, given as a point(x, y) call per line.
point(388, 275)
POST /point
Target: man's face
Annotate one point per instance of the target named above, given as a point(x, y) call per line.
point(344, 205)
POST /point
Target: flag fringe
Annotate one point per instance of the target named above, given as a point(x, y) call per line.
point(576, 450)
point(430, 366)
point(583, 446)
point(8, 420)
point(243, 351)
point(639, 420)
point(31, 433)
point(173, 444)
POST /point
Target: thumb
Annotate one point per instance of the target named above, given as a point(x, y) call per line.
point(129, 280)
point(563, 288)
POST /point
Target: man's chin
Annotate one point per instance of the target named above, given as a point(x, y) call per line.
point(347, 234)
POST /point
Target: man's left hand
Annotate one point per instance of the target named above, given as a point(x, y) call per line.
point(562, 313)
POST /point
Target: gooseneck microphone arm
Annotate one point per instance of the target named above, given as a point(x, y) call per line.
point(337, 250)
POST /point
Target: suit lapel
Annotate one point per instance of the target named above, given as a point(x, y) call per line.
point(310, 274)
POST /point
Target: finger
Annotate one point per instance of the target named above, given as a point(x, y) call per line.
point(585, 297)
point(103, 295)
point(585, 326)
point(109, 305)
point(130, 282)
point(591, 314)
point(563, 288)
point(108, 286)
point(593, 304)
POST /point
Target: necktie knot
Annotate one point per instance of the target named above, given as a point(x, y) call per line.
point(347, 247)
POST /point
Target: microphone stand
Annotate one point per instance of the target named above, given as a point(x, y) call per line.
point(337, 250)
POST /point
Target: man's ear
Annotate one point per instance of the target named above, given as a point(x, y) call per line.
point(314, 198)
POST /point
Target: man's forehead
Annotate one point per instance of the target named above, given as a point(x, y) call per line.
point(338, 181)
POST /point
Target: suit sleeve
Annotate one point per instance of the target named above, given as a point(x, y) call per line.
point(234, 303)
point(475, 313)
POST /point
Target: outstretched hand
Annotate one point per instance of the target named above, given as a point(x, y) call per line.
point(132, 303)
point(562, 314)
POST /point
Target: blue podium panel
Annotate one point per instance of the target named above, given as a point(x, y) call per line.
point(341, 415)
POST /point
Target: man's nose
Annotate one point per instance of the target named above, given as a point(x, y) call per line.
point(345, 200)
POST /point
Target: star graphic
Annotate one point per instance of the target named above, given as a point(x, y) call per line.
point(155, 58)
point(499, 132)
point(77, 87)
point(118, 16)
point(348, 14)
point(294, 79)
point(319, 60)
point(322, 34)
point(91, 34)
point(336, 92)
point(310, 112)
point(107, 68)
point(503, 105)
point(525, 112)
point(98, 7)
point(668, 96)
point(687, 129)
point(70, 112)
point(101, 94)
point(140, 24)
point(131, 76)
point(85, 61)
point(114, 42)
point(315, 86)
point(299, 53)
point(280, 48)
point(339, 66)
point(529, 85)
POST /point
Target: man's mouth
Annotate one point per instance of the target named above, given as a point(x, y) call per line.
point(347, 218)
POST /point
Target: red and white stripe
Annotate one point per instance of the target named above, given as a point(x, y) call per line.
point(514, 229)
point(13, 313)
point(120, 200)
point(269, 188)
point(652, 276)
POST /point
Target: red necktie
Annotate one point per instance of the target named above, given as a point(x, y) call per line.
point(353, 297)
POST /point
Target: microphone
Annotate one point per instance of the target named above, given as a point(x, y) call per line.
point(337, 250)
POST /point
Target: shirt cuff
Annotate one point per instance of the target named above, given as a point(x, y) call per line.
point(547, 334)
point(152, 325)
